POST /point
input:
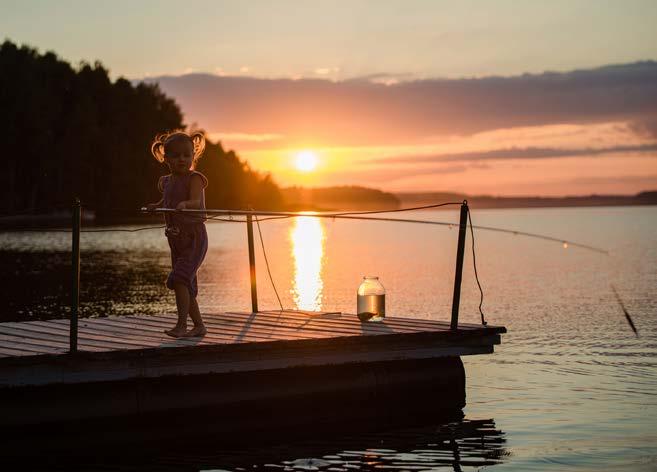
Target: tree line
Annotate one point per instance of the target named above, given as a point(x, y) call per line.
point(72, 131)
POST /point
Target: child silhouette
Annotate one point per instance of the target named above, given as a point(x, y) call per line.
point(183, 188)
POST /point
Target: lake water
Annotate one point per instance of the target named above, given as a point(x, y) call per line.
point(569, 388)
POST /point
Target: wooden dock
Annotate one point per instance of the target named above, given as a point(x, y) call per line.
point(274, 339)
point(126, 365)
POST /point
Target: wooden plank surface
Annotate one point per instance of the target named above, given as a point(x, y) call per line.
point(147, 332)
point(127, 347)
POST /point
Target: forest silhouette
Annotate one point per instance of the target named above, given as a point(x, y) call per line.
point(73, 132)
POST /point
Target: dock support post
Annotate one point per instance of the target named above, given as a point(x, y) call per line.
point(254, 291)
point(75, 265)
point(460, 250)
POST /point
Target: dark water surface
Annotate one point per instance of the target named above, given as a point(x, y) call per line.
point(455, 445)
point(569, 388)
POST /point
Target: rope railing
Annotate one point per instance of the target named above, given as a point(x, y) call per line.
point(222, 215)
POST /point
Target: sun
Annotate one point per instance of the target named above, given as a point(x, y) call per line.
point(306, 161)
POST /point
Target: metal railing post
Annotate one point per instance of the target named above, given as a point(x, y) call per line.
point(75, 270)
point(460, 250)
point(254, 290)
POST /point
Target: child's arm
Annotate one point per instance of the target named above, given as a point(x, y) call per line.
point(153, 206)
point(195, 194)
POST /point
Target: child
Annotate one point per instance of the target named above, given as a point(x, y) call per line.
point(183, 189)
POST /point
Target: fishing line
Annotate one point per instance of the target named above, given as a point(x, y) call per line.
point(348, 215)
point(474, 264)
point(264, 253)
point(424, 207)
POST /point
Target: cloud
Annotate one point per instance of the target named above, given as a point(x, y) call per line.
point(362, 111)
point(382, 78)
point(650, 181)
point(518, 153)
point(326, 70)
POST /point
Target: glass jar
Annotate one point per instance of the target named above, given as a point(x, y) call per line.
point(371, 304)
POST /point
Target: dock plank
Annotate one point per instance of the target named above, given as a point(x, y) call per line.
point(262, 325)
point(237, 329)
point(45, 335)
point(352, 319)
point(99, 331)
point(323, 326)
point(29, 347)
point(143, 330)
point(8, 351)
point(38, 346)
point(151, 326)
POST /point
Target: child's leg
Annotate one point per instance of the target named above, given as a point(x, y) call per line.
point(195, 314)
point(182, 304)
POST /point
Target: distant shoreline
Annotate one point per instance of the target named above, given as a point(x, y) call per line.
point(379, 201)
point(484, 201)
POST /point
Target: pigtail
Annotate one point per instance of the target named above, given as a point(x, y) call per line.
point(157, 147)
point(198, 140)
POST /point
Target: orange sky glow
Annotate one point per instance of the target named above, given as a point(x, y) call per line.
point(498, 97)
point(615, 173)
point(575, 133)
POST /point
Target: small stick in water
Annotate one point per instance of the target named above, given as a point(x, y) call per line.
point(627, 315)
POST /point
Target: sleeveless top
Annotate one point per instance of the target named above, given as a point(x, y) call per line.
point(176, 190)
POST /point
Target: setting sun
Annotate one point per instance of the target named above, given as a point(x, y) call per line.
point(306, 161)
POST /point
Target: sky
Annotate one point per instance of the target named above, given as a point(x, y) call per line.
point(483, 97)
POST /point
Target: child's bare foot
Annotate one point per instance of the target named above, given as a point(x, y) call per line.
point(176, 332)
point(196, 331)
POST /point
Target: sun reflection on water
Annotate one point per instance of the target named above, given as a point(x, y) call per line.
point(307, 238)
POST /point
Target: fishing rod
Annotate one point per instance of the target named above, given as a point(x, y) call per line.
point(356, 215)
point(272, 215)
point(628, 318)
